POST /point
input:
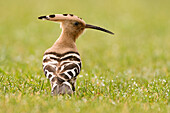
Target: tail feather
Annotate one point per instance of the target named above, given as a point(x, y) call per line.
point(64, 88)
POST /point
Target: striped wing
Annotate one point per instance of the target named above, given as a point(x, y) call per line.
point(61, 67)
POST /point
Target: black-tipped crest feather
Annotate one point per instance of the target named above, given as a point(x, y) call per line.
point(42, 17)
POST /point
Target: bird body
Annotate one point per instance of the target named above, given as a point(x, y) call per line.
point(62, 62)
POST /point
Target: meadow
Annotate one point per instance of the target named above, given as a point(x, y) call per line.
point(125, 73)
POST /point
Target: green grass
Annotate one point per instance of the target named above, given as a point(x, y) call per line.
point(125, 73)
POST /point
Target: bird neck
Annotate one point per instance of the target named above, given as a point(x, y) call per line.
point(67, 37)
point(66, 42)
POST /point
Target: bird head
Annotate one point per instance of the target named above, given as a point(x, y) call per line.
point(71, 24)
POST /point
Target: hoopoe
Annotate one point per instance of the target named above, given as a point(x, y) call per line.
point(61, 62)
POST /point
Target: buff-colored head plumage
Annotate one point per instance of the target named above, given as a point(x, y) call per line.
point(71, 24)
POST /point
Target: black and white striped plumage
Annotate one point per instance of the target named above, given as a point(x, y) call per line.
point(61, 62)
point(62, 69)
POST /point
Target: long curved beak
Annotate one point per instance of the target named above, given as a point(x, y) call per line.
point(98, 28)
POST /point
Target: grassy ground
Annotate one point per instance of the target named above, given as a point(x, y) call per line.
point(125, 73)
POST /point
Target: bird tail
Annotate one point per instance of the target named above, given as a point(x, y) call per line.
point(64, 88)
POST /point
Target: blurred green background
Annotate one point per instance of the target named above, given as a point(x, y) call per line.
point(141, 31)
point(140, 47)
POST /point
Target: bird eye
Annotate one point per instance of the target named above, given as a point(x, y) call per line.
point(76, 23)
